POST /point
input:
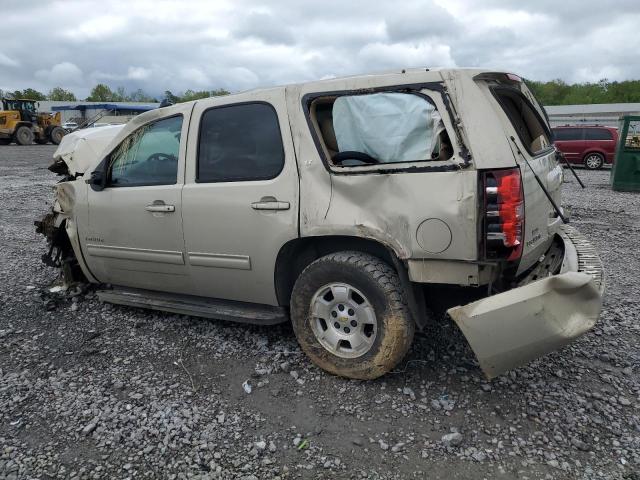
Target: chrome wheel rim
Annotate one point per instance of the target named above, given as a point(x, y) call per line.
point(593, 161)
point(343, 320)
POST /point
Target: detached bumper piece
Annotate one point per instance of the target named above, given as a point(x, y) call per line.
point(512, 328)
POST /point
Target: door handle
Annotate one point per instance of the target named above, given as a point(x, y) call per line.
point(160, 207)
point(270, 203)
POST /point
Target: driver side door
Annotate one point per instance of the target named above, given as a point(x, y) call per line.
point(134, 235)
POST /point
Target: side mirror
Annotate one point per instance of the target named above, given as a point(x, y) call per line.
point(97, 180)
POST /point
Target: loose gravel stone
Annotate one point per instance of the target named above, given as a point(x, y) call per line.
point(104, 391)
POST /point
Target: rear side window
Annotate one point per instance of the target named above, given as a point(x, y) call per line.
point(524, 119)
point(598, 134)
point(239, 143)
point(380, 128)
point(567, 134)
point(149, 156)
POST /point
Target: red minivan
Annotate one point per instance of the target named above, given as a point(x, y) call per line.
point(591, 146)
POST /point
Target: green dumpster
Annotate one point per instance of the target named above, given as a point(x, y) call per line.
point(625, 173)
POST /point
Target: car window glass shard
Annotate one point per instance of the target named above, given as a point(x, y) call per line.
point(149, 156)
point(389, 127)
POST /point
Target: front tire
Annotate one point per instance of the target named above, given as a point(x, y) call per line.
point(350, 316)
point(593, 161)
point(24, 135)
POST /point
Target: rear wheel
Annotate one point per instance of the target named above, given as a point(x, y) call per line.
point(350, 316)
point(24, 135)
point(593, 161)
point(56, 135)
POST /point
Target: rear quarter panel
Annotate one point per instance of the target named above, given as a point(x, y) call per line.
point(389, 207)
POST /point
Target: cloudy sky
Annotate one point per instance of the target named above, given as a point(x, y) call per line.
point(157, 45)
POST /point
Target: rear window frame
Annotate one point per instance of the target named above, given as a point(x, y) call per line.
point(388, 168)
point(495, 90)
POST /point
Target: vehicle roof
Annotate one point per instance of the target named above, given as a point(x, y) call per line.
point(399, 76)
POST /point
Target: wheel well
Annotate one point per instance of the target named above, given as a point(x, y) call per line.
point(602, 154)
point(297, 254)
point(23, 124)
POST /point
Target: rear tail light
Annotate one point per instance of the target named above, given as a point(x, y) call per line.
point(503, 214)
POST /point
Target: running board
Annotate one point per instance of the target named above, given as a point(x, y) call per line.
point(197, 306)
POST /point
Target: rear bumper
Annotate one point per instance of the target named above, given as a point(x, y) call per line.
point(512, 328)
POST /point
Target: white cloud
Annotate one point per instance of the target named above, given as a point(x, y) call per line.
point(138, 73)
point(160, 45)
point(62, 74)
point(6, 61)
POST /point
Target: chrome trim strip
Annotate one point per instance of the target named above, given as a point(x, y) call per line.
point(219, 260)
point(137, 254)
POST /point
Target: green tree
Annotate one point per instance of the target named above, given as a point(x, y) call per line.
point(140, 96)
point(60, 94)
point(100, 93)
point(27, 93)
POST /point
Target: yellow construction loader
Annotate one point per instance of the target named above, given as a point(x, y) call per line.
point(21, 122)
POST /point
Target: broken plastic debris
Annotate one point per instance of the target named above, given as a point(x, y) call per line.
point(57, 288)
point(247, 386)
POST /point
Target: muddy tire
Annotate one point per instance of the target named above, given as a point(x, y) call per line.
point(24, 135)
point(593, 161)
point(56, 135)
point(350, 316)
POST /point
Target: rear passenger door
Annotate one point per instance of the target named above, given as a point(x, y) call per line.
point(240, 200)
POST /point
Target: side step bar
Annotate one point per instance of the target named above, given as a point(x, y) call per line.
point(197, 306)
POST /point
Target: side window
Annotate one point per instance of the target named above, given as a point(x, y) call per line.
point(565, 134)
point(598, 134)
point(524, 119)
point(380, 128)
point(149, 156)
point(239, 143)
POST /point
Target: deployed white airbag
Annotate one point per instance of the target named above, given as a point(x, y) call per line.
point(390, 127)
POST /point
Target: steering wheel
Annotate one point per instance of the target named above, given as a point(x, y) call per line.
point(340, 157)
point(161, 157)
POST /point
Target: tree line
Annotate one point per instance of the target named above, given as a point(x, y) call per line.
point(554, 92)
point(558, 92)
point(103, 93)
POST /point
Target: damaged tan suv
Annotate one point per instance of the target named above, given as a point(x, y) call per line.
point(347, 206)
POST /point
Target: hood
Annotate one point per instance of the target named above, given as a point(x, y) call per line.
point(81, 150)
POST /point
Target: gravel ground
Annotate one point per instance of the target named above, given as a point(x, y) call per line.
point(90, 390)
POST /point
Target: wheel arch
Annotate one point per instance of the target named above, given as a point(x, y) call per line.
point(594, 150)
point(295, 255)
point(22, 123)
